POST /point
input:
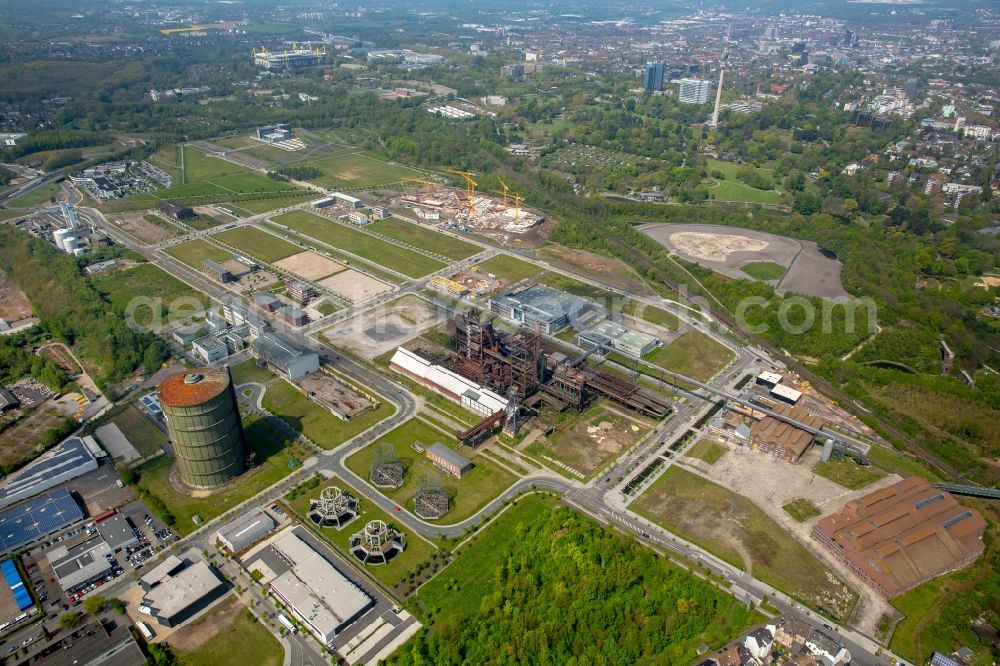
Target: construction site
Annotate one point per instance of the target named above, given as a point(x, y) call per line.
point(471, 209)
point(509, 376)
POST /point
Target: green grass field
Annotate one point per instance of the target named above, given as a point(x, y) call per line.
point(266, 439)
point(245, 641)
point(652, 314)
point(469, 494)
point(508, 268)
point(801, 510)
point(139, 430)
point(765, 271)
point(144, 281)
point(392, 574)
point(194, 252)
point(732, 189)
point(693, 354)
point(734, 529)
point(10, 214)
point(257, 206)
point(847, 473)
point(357, 170)
point(707, 451)
point(318, 424)
point(367, 247)
point(203, 175)
point(407, 232)
point(259, 243)
point(578, 288)
point(247, 371)
point(36, 197)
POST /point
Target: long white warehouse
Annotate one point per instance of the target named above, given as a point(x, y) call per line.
point(472, 396)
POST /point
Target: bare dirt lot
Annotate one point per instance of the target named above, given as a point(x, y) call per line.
point(588, 441)
point(385, 327)
point(355, 286)
point(14, 305)
point(607, 270)
point(146, 230)
point(19, 440)
point(725, 249)
point(310, 265)
point(194, 635)
point(771, 483)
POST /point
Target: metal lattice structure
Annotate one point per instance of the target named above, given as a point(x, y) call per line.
point(432, 500)
point(377, 543)
point(334, 508)
point(387, 469)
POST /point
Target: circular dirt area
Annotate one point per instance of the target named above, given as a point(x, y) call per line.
point(726, 249)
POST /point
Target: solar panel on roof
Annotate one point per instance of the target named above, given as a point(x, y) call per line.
point(30, 520)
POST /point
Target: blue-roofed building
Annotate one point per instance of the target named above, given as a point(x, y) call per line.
point(36, 518)
point(67, 460)
point(16, 584)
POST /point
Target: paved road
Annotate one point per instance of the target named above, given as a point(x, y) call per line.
point(595, 498)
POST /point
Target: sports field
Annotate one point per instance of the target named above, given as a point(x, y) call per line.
point(446, 246)
point(367, 247)
point(356, 170)
point(259, 243)
point(194, 252)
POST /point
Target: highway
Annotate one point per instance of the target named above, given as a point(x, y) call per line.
point(598, 498)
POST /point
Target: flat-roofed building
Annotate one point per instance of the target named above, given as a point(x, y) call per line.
point(210, 349)
point(216, 271)
point(292, 316)
point(357, 217)
point(550, 309)
point(180, 596)
point(901, 536)
point(769, 379)
point(93, 644)
point(80, 564)
point(786, 394)
point(447, 459)
point(781, 439)
point(284, 356)
point(302, 291)
point(161, 572)
point(267, 301)
point(67, 460)
point(321, 597)
point(245, 530)
point(117, 532)
point(347, 200)
point(619, 338)
point(175, 211)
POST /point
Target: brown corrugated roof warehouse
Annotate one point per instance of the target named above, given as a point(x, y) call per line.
point(903, 535)
point(781, 439)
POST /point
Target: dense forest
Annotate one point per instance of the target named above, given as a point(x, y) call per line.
point(71, 310)
point(560, 589)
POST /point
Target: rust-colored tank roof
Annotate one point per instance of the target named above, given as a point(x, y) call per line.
point(193, 387)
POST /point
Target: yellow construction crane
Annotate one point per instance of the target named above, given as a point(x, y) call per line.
point(505, 190)
point(470, 185)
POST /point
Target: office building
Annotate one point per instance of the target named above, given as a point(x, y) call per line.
point(245, 530)
point(609, 334)
point(549, 308)
point(653, 76)
point(694, 91)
